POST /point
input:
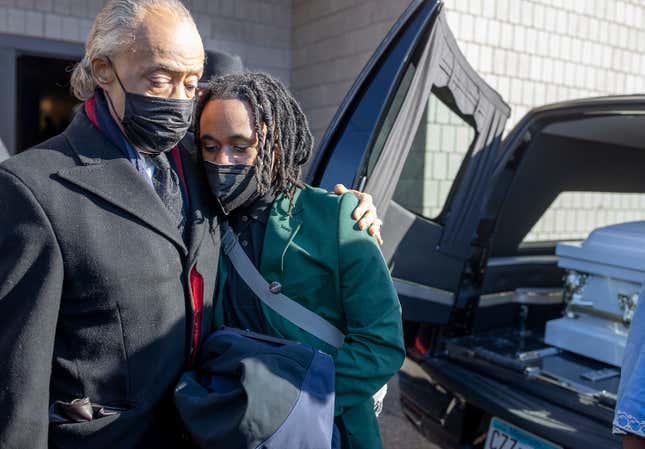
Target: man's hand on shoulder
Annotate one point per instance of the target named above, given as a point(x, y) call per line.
point(365, 212)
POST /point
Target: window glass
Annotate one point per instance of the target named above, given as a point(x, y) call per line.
point(440, 145)
point(390, 118)
point(573, 215)
point(357, 126)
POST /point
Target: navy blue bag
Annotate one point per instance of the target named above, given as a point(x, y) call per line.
point(254, 391)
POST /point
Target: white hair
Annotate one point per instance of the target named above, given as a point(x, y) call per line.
point(113, 30)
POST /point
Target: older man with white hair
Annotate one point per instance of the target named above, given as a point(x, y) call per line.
point(108, 264)
point(109, 246)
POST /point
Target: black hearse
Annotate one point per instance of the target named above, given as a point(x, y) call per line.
point(476, 291)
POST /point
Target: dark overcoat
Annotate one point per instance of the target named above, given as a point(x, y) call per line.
point(95, 297)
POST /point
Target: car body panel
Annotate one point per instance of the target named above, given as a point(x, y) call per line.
point(440, 265)
point(370, 137)
point(558, 424)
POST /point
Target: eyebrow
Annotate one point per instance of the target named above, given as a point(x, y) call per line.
point(246, 139)
point(241, 137)
point(175, 69)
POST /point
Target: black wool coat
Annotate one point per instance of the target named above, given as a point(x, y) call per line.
point(94, 293)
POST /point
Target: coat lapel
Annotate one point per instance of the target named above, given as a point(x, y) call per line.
point(281, 229)
point(198, 222)
point(106, 173)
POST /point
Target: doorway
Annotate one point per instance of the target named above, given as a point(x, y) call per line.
point(44, 103)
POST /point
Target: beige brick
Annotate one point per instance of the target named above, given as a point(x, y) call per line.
point(268, 57)
point(459, 5)
point(34, 23)
point(454, 163)
point(321, 115)
point(84, 28)
point(4, 16)
point(515, 12)
point(572, 51)
point(506, 35)
point(80, 8)
point(466, 27)
point(62, 7)
point(222, 8)
point(203, 25)
point(486, 59)
point(24, 4)
point(16, 19)
point(53, 26)
point(439, 165)
point(71, 29)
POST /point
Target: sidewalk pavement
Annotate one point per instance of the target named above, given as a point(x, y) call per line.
point(396, 430)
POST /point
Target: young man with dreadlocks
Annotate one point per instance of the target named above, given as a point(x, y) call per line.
point(254, 141)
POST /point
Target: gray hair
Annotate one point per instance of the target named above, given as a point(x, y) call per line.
point(113, 30)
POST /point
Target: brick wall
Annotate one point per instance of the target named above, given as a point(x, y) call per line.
point(257, 30)
point(543, 51)
point(532, 51)
point(332, 41)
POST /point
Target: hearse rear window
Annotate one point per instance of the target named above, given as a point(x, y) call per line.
point(440, 145)
point(573, 215)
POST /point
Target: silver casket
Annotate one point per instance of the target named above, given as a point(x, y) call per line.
point(605, 275)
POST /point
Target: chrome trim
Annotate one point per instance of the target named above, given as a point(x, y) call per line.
point(424, 292)
point(534, 296)
point(574, 283)
point(574, 310)
point(520, 260)
point(628, 304)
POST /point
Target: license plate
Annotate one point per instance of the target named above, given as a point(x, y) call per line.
point(502, 435)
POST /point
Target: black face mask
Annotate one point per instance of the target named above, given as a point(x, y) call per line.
point(234, 186)
point(154, 124)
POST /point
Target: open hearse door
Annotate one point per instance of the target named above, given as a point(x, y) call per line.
point(421, 132)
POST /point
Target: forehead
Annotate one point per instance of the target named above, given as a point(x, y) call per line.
point(165, 39)
point(227, 117)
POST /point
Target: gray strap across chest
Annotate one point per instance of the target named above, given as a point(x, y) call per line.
point(289, 309)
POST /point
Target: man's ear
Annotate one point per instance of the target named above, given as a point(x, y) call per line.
point(103, 72)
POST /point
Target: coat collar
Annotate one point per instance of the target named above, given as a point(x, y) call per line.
point(282, 228)
point(106, 173)
point(200, 200)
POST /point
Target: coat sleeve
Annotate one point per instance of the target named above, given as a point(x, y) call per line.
point(373, 350)
point(31, 279)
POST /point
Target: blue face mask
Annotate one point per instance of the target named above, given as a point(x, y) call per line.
point(154, 124)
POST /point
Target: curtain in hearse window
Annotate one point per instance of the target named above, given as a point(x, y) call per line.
point(343, 149)
point(444, 92)
point(438, 94)
point(573, 215)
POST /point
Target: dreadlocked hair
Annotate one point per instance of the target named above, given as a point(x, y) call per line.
point(279, 124)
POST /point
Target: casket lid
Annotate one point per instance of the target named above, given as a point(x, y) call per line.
point(617, 246)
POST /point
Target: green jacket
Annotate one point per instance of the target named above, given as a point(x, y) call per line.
point(324, 262)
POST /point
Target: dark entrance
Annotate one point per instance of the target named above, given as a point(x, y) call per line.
point(44, 102)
